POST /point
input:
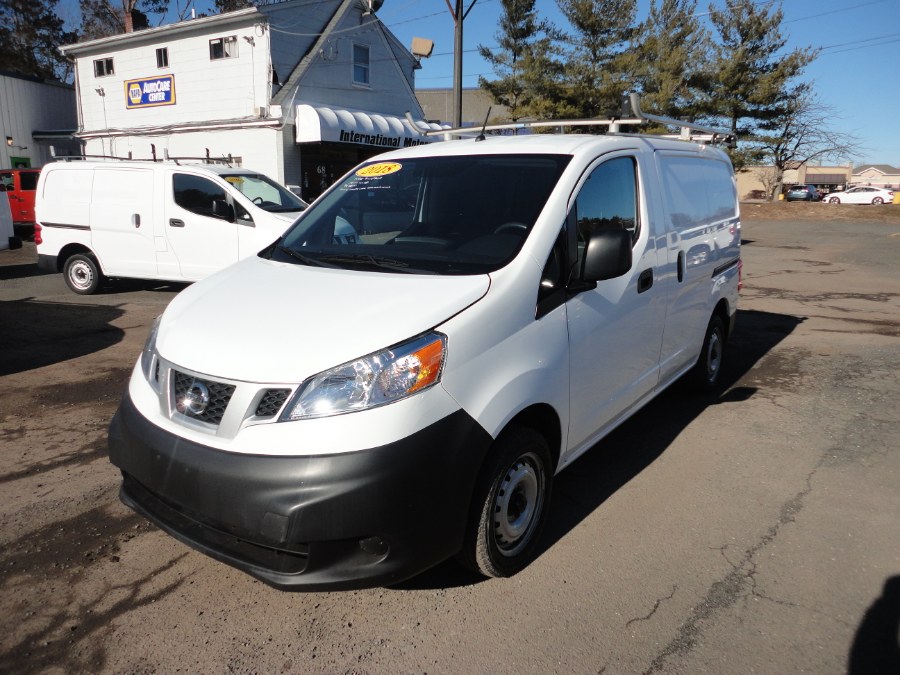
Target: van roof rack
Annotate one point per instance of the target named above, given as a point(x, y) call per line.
point(229, 160)
point(689, 131)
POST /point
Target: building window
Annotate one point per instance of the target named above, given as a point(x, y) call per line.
point(103, 67)
point(361, 64)
point(162, 57)
point(223, 48)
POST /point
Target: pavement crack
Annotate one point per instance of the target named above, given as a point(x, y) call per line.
point(656, 605)
point(727, 591)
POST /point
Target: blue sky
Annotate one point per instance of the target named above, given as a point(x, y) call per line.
point(857, 72)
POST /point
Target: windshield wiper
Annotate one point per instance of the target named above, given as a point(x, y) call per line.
point(305, 259)
point(370, 260)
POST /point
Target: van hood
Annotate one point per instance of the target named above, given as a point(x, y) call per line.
point(273, 322)
point(287, 216)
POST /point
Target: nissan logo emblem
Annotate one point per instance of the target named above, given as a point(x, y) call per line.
point(194, 401)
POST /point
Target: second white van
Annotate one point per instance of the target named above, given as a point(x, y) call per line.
point(153, 220)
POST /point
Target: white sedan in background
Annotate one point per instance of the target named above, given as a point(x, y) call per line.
point(863, 194)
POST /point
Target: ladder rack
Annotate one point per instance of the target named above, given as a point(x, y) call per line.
point(614, 124)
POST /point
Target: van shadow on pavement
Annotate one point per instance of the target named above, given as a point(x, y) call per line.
point(626, 452)
point(37, 334)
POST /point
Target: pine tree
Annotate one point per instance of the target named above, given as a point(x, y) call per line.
point(527, 73)
point(598, 64)
point(669, 58)
point(30, 36)
point(754, 81)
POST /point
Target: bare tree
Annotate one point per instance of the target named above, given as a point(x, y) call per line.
point(801, 134)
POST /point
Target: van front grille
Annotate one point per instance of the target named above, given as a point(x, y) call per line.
point(271, 402)
point(211, 397)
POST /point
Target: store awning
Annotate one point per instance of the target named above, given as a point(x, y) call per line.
point(826, 178)
point(316, 124)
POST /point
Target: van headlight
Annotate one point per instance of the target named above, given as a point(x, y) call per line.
point(149, 349)
point(380, 378)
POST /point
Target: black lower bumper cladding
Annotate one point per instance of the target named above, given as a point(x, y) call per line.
point(352, 520)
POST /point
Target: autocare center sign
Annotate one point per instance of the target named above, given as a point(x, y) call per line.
point(150, 91)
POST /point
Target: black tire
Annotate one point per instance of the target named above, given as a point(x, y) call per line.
point(878, 201)
point(704, 377)
point(82, 273)
point(510, 505)
point(834, 200)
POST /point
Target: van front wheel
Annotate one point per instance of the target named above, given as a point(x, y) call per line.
point(707, 370)
point(510, 505)
point(82, 273)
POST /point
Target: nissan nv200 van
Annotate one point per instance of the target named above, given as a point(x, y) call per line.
point(340, 410)
point(153, 220)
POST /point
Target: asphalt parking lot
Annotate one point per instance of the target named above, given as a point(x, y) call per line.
point(757, 530)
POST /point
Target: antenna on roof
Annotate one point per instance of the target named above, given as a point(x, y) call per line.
point(480, 137)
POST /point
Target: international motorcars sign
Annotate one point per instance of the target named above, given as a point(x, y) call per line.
point(150, 91)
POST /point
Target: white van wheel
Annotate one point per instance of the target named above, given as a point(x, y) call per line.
point(82, 274)
point(510, 505)
point(708, 368)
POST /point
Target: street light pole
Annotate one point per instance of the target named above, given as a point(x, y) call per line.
point(458, 18)
point(457, 64)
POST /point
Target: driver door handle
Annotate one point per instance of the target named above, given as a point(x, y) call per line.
point(645, 280)
point(175, 222)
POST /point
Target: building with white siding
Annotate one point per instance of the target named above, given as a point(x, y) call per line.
point(300, 91)
point(34, 115)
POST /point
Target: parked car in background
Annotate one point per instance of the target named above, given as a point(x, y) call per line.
point(803, 193)
point(20, 186)
point(862, 194)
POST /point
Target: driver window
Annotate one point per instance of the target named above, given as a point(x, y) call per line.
point(241, 213)
point(608, 199)
point(196, 194)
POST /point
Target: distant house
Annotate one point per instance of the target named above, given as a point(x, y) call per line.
point(878, 175)
point(301, 91)
point(35, 114)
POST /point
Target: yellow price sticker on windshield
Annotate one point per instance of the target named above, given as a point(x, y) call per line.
point(379, 169)
point(234, 180)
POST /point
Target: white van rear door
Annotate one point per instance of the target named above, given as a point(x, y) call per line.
point(122, 212)
point(201, 242)
point(614, 330)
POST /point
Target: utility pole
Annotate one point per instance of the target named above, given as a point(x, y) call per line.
point(458, 18)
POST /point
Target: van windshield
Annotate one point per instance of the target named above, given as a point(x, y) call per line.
point(265, 193)
point(430, 215)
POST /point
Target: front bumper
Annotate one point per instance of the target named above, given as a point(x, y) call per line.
point(351, 520)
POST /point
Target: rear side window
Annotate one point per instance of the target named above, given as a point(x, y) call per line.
point(699, 191)
point(196, 194)
point(28, 180)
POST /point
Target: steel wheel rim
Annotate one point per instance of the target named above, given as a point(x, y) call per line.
point(518, 503)
point(81, 275)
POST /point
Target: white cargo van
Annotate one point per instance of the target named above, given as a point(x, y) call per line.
point(338, 412)
point(153, 220)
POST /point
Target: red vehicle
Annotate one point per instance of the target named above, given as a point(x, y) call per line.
point(20, 186)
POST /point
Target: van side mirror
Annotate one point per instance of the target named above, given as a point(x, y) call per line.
point(607, 255)
point(222, 209)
